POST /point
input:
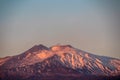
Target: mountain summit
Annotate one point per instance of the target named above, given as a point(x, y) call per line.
point(58, 61)
point(37, 48)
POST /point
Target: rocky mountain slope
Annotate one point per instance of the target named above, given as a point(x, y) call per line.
point(59, 62)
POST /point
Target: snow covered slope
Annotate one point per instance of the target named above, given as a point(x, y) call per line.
point(59, 59)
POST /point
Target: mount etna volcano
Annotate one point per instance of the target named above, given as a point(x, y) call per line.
point(59, 62)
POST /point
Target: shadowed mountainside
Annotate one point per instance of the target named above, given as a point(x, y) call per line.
point(59, 62)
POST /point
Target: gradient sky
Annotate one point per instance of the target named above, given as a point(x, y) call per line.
point(90, 25)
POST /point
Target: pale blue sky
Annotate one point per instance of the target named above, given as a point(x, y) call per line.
point(85, 24)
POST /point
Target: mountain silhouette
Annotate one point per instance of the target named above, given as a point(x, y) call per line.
point(59, 62)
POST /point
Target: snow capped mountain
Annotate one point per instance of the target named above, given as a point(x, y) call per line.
point(58, 60)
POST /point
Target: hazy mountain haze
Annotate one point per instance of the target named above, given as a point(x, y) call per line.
point(89, 25)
